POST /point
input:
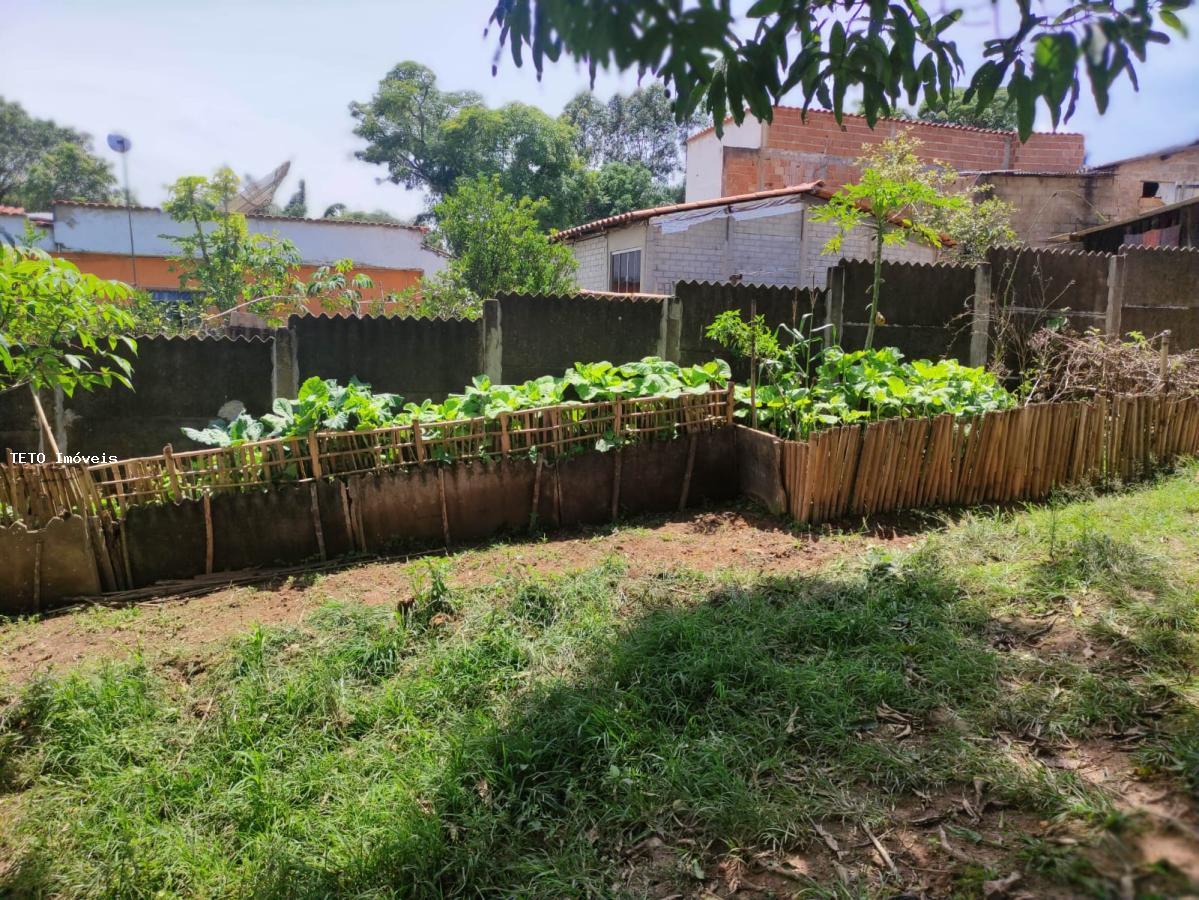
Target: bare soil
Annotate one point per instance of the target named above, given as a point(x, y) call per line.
point(186, 631)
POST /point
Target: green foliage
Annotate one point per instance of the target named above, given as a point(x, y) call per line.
point(806, 385)
point(430, 139)
point(319, 406)
point(999, 114)
point(618, 187)
point(896, 197)
point(636, 129)
point(229, 267)
point(327, 406)
point(297, 205)
point(41, 161)
point(711, 59)
point(59, 327)
point(496, 247)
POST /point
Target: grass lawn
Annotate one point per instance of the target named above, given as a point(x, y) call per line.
point(1007, 705)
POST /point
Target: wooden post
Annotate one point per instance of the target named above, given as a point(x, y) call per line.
point(687, 474)
point(208, 533)
point(47, 431)
point(1115, 296)
point(616, 484)
point(1165, 362)
point(981, 326)
point(445, 515)
point(316, 521)
point(753, 359)
point(536, 492)
point(168, 456)
point(315, 456)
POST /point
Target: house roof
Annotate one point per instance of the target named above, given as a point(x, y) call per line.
point(1122, 223)
point(1035, 174)
point(12, 210)
point(640, 215)
point(1164, 151)
point(946, 125)
point(95, 204)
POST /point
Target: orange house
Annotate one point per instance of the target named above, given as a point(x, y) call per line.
point(106, 240)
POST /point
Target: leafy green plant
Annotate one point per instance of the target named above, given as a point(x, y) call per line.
point(805, 385)
point(328, 406)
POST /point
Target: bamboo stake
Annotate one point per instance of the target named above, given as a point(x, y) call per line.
point(208, 536)
point(445, 515)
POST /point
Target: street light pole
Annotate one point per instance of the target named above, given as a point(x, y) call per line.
point(122, 145)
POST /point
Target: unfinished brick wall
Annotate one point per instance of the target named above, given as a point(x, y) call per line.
point(591, 254)
point(1177, 168)
point(797, 150)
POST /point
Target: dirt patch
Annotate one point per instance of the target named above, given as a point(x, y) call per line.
point(182, 632)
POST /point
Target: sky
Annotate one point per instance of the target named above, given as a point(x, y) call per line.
point(251, 83)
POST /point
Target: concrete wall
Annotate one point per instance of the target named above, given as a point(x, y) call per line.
point(1160, 293)
point(177, 382)
point(547, 335)
point(701, 302)
point(591, 254)
point(1048, 205)
point(928, 309)
point(418, 358)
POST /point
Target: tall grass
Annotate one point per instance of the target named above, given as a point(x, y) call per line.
point(520, 738)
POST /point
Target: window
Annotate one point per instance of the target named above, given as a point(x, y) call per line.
point(625, 275)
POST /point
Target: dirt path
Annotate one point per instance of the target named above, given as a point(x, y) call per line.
point(185, 632)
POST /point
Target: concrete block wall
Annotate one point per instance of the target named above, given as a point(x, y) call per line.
point(591, 254)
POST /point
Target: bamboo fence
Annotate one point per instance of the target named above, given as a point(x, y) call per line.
point(1000, 457)
point(34, 494)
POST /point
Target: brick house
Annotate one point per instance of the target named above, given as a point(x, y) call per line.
point(763, 237)
point(757, 156)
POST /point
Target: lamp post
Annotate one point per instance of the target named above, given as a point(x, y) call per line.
point(122, 145)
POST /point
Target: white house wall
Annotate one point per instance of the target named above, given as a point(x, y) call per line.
point(84, 229)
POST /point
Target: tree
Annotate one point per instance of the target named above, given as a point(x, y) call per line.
point(821, 48)
point(635, 129)
point(497, 247)
point(619, 187)
point(41, 161)
point(977, 226)
point(429, 139)
point(402, 124)
point(341, 211)
point(297, 205)
point(531, 153)
point(999, 114)
point(60, 328)
point(898, 198)
point(229, 267)
point(67, 172)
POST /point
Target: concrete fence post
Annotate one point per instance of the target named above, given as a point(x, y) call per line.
point(670, 334)
point(980, 329)
point(285, 367)
point(492, 362)
point(834, 310)
point(1115, 295)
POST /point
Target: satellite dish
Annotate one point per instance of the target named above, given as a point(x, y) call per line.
point(119, 143)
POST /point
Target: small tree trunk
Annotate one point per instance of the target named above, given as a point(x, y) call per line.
point(876, 288)
point(47, 431)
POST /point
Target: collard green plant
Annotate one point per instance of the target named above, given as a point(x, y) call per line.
point(806, 385)
point(328, 406)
